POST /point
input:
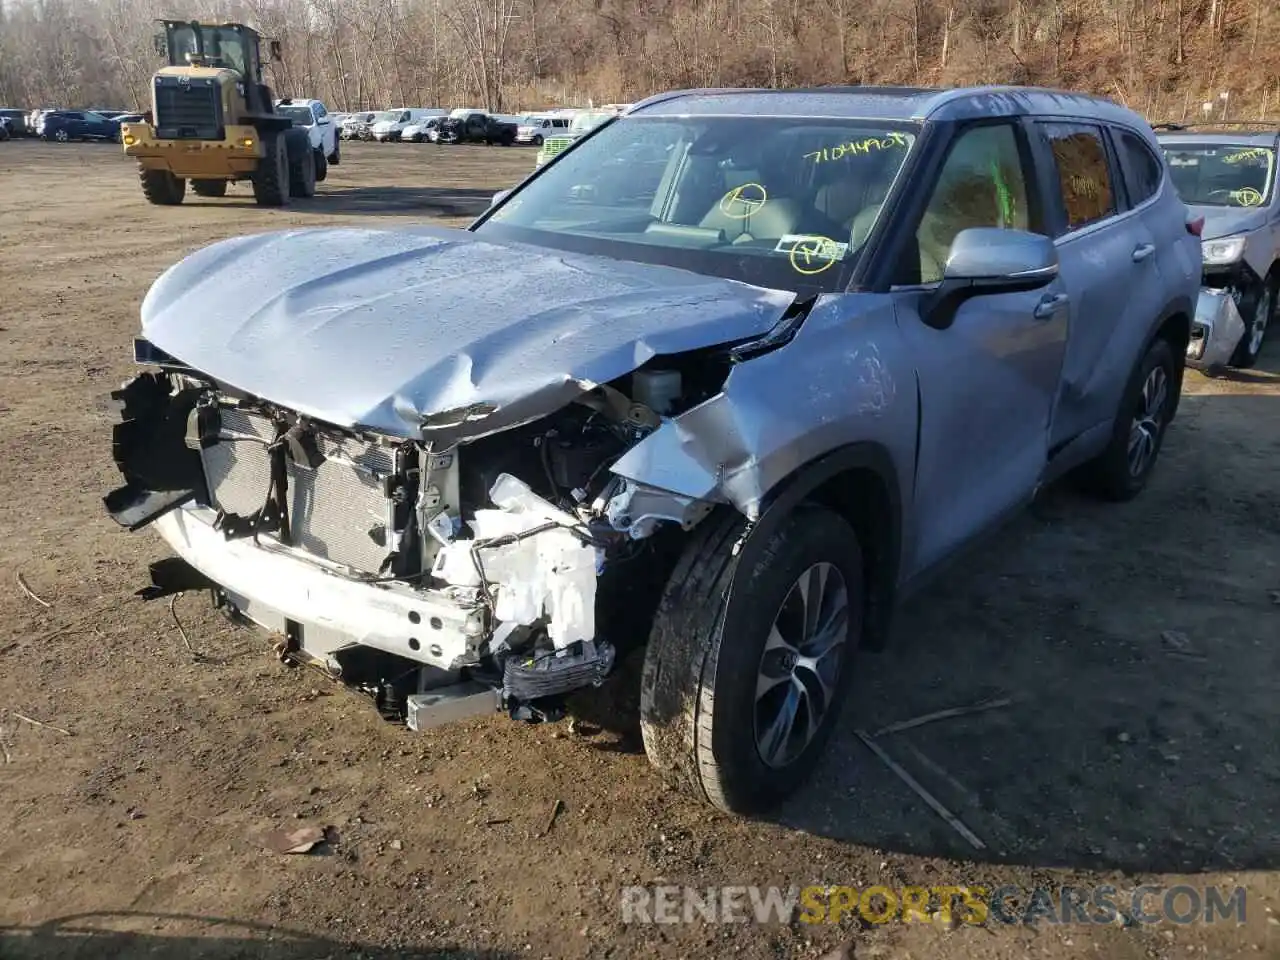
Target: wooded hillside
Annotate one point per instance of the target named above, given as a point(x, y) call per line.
point(1165, 58)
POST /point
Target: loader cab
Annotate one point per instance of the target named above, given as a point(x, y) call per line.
point(225, 46)
point(213, 78)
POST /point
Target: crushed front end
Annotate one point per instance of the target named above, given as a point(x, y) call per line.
point(497, 574)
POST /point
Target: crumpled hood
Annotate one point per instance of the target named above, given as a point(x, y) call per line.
point(388, 329)
point(1225, 221)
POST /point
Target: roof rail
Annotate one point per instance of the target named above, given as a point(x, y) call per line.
point(1208, 125)
point(1200, 125)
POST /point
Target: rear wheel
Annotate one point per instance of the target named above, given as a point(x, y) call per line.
point(749, 659)
point(335, 158)
point(321, 164)
point(271, 179)
point(1121, 471)
point(1258, 311)
point(209, 188)
point(61, 136)
point(162, 188)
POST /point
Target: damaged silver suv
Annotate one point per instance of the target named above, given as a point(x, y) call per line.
point(726, 379)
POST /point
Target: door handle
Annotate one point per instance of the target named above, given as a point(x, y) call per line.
point(1142, 251)
point(1048, 306)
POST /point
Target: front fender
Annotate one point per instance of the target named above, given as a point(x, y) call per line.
point(844, 379)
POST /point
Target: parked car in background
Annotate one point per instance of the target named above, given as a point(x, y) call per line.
point(423, 131)
point(356, 124)
point(732, 408)
point(535, 128)
point(476, 126)
point(65, 125)
point(1228, 177)
point(583, 122)
point(311, 115)
point(17, 121)
point(33, 121)
point(391, 123)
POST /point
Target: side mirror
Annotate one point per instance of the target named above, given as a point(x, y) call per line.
point(275, 51)
point(499, 197)
point(988, 260)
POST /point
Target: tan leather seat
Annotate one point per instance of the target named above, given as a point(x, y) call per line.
point(842, 199)
point(773, 220)
point(933, 250)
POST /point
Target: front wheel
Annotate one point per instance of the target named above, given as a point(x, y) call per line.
point(321, 164)
point(271, 178)
point(1122, 470)
point(302, 174)
point(537, 141)
point(749, 659)
point(1259, 310)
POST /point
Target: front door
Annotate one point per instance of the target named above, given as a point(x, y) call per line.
point(987, 382)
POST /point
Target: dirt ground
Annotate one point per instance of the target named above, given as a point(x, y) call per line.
point(1140, 646)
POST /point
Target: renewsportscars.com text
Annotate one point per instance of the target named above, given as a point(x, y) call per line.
point(970, 904)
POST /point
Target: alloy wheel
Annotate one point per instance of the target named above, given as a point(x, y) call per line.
point(1148, 421)
point(1261, 317)
point(801, 663)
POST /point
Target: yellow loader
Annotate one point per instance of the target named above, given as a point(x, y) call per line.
point(212, 121)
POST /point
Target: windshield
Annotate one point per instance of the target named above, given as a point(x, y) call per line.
point(1222, 175)
point(766, 200)
point(301, 116)
point(583, 122)
point(386, 116)
point(222, 46)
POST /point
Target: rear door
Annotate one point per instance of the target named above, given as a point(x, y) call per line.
point(1104, 254)
point(987, 382)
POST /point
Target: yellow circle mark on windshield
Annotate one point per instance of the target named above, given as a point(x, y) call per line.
point(814, 254)
point(1248, 197)
point(744, 200)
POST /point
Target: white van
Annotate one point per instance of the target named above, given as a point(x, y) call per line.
point(391, 123)
point(419, 130)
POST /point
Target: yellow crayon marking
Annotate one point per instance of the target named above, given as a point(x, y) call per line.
point(744, 200)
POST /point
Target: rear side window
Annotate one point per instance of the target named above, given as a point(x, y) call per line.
point(1084, 173)
point(1142, 169)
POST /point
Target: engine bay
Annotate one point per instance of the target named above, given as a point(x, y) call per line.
point(559, 559)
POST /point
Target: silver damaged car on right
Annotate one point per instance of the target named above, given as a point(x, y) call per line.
point(1228, 178)
point(726, 381)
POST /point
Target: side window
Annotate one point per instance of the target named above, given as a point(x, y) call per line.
point(982, 184)
point(1142, 170)
point(320, 110)
point(1084, 173)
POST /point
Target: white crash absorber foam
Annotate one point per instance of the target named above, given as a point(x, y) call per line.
point(549, 574)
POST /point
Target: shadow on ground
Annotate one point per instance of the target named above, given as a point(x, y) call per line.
point(1137, 645)
point(91, 937)
point(399, 201)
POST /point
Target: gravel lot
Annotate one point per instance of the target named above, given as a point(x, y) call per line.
point(1130, 754)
